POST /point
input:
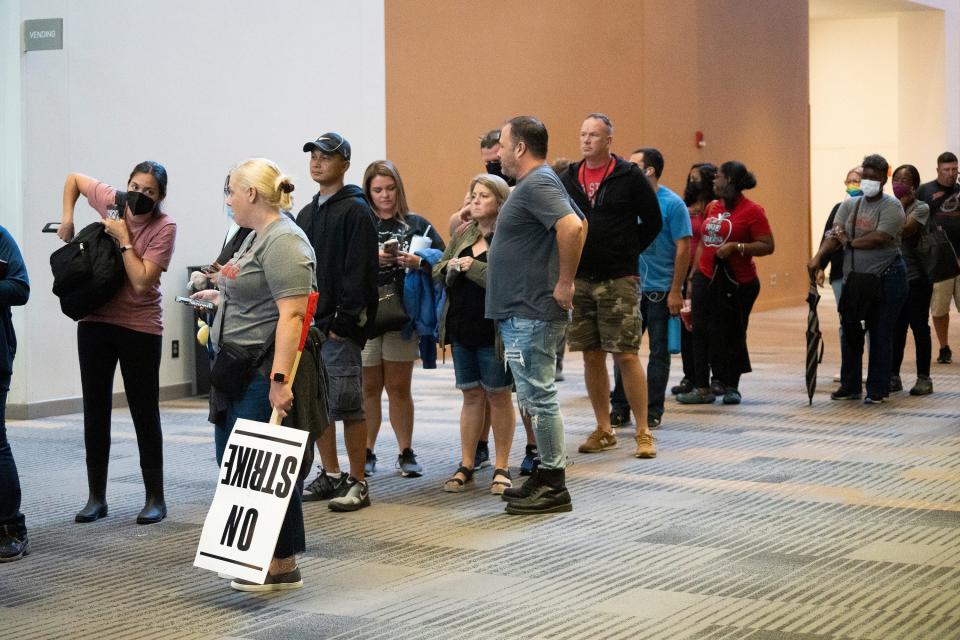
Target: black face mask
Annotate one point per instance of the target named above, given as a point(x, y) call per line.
point(139, 203)
point(692, 193)
point(494, 168)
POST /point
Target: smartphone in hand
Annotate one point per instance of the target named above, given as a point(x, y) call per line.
point(392, 246)
point(205, 305)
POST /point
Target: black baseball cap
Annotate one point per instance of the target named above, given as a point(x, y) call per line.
point(330, 143)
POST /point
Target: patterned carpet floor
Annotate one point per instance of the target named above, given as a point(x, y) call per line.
point(772, 520)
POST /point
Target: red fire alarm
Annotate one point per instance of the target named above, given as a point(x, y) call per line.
point(701, 143)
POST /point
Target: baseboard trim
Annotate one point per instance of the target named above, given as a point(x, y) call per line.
point(61, 406)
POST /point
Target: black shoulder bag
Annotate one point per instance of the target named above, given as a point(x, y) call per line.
point(235, 364)
point(861, 291)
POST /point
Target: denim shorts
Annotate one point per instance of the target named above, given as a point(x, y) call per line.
point(479, 367)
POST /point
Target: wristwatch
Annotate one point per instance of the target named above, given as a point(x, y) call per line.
point(279, 377)
point(125, 247)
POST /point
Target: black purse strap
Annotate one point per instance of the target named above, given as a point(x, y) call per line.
point(268, 345)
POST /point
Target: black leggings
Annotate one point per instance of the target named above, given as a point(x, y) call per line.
point(101, 346)
point(915, 315)
point(706, 354)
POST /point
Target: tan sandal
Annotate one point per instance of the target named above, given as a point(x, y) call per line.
point(505, 481)
point(455, 484)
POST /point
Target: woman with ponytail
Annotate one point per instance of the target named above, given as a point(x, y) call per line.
point(261, 300)
point(128, 329)
point(725, 284)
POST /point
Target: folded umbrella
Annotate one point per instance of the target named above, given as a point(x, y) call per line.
point(814, 340)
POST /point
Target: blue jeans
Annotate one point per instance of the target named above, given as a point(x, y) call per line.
point(656, 316)
point(9, 479)
point(530, 348)
point(254, 404)
point(881, 325)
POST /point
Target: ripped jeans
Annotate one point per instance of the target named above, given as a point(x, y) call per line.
point(530, 348)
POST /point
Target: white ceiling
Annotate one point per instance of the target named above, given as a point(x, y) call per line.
point(835, 9)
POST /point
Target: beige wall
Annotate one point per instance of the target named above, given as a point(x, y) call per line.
point(897, 112)
point(661, 69)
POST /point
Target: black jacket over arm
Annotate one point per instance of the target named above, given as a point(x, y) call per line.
point(343, 236)
point(623, 221)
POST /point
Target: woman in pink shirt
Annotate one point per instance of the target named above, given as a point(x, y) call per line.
point(127, 329)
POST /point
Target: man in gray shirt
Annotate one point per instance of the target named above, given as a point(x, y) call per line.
point(868, 229)
point(532, 262)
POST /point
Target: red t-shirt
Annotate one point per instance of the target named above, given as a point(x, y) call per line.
point(590, 179)
point(153, 239)
point(745, 223)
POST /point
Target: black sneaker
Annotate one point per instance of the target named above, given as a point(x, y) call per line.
point(717, 388)
point(697, 396)
point(653, 422)
point(357, 497)
point(524, 490)
point(619, 418)
point(873, 400)
point(896, 384)
point(946, 356)
point(13, 546)
point(843, 394)
point(482, 458)
point(923, 387)
point(408, 465)
point(685, 386)
point(732, 396)
point(325, 486)
point(531, 460)
point(370, 466)
point(549, 496)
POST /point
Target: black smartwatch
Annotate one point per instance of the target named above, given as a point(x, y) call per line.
point(279, 377)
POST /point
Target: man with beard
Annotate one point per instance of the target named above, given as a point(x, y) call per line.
point(532, 262)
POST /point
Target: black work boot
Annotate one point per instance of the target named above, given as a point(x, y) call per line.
point(154, 509)
point(550, 497)
point(528, 487)
point(96, 506)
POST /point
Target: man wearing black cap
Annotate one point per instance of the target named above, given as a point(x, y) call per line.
point(339, 223)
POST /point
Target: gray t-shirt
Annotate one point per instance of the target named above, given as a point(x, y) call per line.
point(523, 261)
point(277, 264)
point(886, 215)
point(920, 211)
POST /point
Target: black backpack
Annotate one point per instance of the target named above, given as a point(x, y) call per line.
point(88, 270)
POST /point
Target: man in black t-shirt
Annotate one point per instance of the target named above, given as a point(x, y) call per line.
point(943, 197)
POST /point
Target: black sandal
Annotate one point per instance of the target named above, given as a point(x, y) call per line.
point(455, 484)
point(497, 487)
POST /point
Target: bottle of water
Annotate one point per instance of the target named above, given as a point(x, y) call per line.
point(673, 334)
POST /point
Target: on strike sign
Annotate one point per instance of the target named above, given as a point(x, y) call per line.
point(257, 477)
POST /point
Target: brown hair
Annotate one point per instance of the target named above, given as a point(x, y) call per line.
point(497, 185)
point(389, 170)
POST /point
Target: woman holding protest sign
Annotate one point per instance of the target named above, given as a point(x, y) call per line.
point(262, 297)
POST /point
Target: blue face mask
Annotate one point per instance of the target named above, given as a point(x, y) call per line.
point(229, 212)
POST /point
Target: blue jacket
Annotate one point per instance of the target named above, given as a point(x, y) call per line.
point(14, 290)
point(420, 303)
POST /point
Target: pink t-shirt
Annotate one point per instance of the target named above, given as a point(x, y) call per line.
point(152, 238)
